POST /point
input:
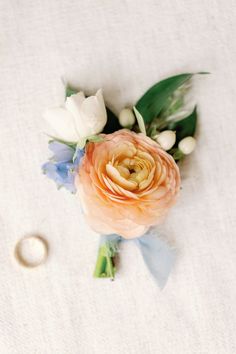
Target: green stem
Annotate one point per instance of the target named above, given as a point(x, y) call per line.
point(100, 267)
point(110, 270)
point(105, 262)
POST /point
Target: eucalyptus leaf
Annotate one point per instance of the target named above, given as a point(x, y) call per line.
point(154, 100)
point(140, 121)
point(185, 127)
point(175, 102)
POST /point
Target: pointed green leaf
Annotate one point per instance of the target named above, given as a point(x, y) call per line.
point(185, 127)
point(140, 121)
point(154, 100)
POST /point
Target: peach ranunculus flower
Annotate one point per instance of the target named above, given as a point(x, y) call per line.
point(126, 184)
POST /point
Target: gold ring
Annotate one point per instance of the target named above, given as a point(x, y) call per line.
point(22, 259)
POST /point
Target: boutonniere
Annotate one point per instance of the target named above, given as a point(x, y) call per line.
point(124, 169)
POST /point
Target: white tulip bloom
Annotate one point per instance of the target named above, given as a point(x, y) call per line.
point(79, 118)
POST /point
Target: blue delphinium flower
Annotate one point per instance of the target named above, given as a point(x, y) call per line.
point(62, 166)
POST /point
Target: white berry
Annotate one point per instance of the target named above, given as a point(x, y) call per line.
point(166, 139)
point(187, 145)
point(126, 117)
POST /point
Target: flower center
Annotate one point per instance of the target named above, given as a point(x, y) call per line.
point(131, 168)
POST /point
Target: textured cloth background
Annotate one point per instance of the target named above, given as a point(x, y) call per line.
point(123, 46)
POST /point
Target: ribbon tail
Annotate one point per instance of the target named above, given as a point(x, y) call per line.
point(158, 256)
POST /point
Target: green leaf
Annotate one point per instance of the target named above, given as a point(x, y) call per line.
point(178, 155)
point(70, 91)
point(140, 121)
point(185, 127)
point(155, 99)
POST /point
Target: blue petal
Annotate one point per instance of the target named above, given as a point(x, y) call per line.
point(79, 153)
point(61, 169)
point(61, 174)
point(50, 170)
point(62, 152)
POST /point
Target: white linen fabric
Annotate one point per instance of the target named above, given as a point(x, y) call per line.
point(124, 47)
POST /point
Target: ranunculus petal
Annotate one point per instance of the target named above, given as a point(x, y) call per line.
point(117, 178)
point(128, 183)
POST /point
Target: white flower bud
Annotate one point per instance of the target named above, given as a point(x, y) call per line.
point(187, 145)
point(126, 117)
point(166, 139)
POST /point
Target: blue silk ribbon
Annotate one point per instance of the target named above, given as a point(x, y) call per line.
point(158, 256)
